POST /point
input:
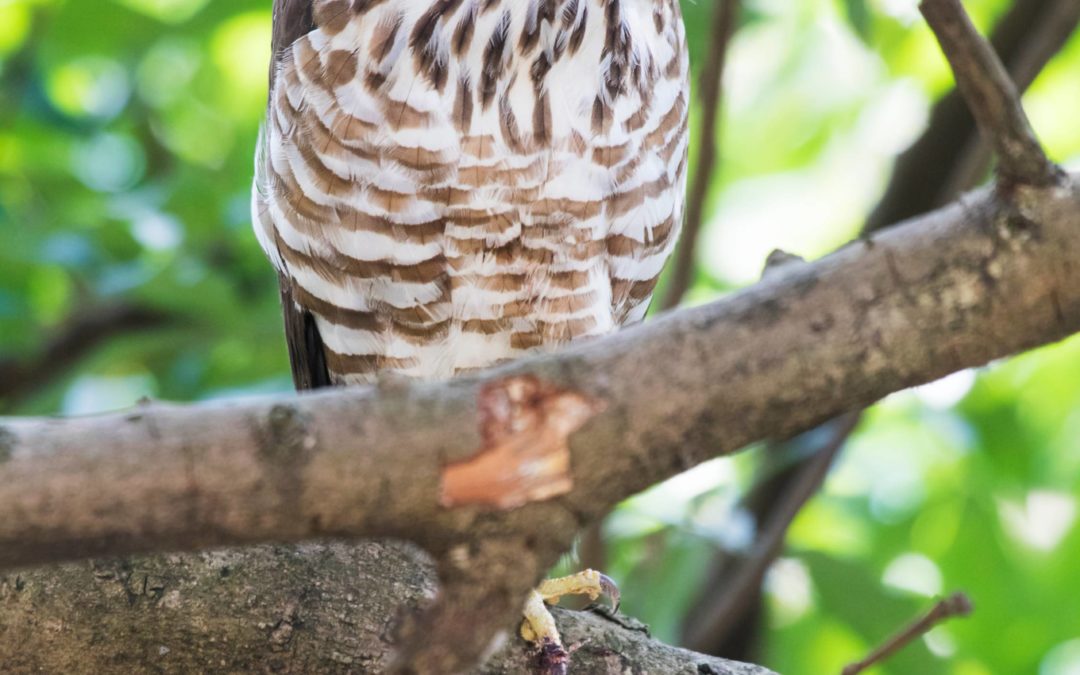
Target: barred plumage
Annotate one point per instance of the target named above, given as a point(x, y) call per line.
point(446, 184)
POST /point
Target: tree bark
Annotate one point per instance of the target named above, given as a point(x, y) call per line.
point(493, 474)
point(988, 277)
point(316, 608)
point(956, 289)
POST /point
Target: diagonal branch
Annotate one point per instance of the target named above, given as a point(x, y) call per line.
point(991, 95)
point(912, 304)
point(736, 588)
point(80, 335)
point(926, 174)
point(725, 16)
point(933, 171)
point(1028, 46)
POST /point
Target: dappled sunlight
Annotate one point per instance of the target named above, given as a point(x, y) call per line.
point(1054, 90)
point(948, 391)
point(166, 71)
point(97, 394)
point(109, 162)
point(669, 502)
point(1041, 520)
point(790, 591)
point(156, 231)
point(91, 86)
point(914, 573)
point(940, 642)
point(830, 527)
point(241, 50)
point(14, 24)
point(170, 11)
point(1064, 659)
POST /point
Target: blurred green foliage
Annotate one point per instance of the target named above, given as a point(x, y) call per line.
point(127, 131)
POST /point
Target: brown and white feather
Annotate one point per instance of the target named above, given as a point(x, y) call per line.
point(447, 184)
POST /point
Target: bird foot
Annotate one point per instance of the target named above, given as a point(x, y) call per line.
point(539, 626)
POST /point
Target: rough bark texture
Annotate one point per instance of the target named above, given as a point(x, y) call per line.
point(956, 289)
point(982, 279)
point(317, 608)
point(988, 277)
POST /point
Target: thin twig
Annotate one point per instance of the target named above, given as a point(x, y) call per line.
point(991, 95)
point(956, 604)
point(712, 75)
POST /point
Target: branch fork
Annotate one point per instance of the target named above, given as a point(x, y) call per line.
point(991, 95)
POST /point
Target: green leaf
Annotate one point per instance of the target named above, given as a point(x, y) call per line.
point(860, 18)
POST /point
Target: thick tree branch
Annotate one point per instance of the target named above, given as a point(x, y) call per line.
point(991, 95)
point(317, 608)
point(939, 294)
point(960, 287)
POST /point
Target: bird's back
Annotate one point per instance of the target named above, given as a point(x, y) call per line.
point(445, 185)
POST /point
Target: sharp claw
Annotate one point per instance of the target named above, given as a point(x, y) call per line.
point(607, 584)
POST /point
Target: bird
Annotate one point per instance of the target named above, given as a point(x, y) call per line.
point(447, 185)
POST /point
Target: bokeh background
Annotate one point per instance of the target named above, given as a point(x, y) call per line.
point(128, 270)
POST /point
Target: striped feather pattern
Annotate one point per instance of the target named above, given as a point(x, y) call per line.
point(446, 184)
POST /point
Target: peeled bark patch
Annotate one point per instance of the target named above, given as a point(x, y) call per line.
point(526, 424)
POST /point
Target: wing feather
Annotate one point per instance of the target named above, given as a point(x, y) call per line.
point(307, 355)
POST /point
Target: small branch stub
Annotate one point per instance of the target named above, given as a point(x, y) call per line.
point(526, 424)
point(956, 604)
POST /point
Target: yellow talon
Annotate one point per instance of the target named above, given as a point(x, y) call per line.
point(589, 583)
point(539, 625)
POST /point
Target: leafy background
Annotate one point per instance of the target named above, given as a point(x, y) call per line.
point(127, 130)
